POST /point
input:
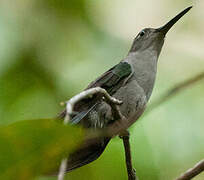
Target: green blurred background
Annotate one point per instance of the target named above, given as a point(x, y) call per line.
point(50, 50)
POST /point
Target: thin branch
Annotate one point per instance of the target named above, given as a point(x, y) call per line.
point(128, 159)
point(63, 165)
point(191, 173)
point(113, 102)
point(62, 169)
point(175, 90)
point(199, 167)
point(89, 93)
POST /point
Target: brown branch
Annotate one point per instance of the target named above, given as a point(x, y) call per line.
point(199, 167)
point(69, 110)
point(175, 90)
point(113, 102)
point(191, 173)
point(128, 159)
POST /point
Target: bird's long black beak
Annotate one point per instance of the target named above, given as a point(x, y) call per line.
point(164, 29)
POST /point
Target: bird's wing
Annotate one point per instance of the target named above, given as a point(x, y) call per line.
point(113, 78)
point(111, 81)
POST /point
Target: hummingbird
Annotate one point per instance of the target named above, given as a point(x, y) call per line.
point(130, 81)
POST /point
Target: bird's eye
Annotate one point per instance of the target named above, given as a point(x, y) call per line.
point(142, 33)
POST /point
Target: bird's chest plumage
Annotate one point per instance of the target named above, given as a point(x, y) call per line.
point(133, 97)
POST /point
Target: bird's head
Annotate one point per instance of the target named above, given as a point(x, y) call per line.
point(153, 39)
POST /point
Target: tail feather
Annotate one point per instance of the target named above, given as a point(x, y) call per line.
point(87, 154)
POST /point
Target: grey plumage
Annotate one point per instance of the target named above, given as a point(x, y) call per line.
point(130, 81)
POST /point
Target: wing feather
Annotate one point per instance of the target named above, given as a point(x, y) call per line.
point(111, 80)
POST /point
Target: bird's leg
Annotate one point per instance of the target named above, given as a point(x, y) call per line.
point(125, 136)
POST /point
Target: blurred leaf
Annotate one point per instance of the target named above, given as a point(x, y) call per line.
point(34, 147)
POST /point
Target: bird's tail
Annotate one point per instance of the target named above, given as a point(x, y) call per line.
point(87, 153)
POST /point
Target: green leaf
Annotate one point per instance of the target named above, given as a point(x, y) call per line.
point(35, 147)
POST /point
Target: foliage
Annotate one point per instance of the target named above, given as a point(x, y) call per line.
point(35, 147)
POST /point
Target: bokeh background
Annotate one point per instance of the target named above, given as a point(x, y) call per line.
point(50, 50)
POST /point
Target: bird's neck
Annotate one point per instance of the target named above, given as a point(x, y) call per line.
point(145, 66)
